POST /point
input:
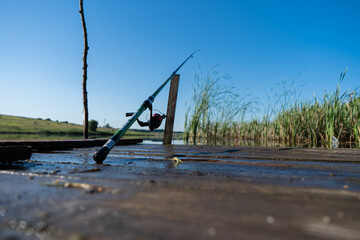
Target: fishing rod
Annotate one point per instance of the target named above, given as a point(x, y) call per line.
point(101, 154)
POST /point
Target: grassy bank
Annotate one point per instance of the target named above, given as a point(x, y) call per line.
point(13, 127)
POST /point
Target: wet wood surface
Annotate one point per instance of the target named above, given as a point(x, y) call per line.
point(14, 153)
point(183, 192)
point(49, 145)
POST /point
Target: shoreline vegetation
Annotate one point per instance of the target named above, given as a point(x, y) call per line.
point(217, 113)
point(23, 128)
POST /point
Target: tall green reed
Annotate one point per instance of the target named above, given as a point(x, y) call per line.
point(315, 122)
point(215, 104)
point(218, 112)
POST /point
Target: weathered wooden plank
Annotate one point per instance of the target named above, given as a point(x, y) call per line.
point(244, 152)
point(133, 202)
point(13, 153)
point(217, 192)
point(48, 145)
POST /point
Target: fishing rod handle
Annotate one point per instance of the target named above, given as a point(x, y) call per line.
point(101, 154)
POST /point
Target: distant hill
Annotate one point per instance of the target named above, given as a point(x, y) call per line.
point(13, 125)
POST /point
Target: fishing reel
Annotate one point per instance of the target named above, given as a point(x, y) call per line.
point(154, 122)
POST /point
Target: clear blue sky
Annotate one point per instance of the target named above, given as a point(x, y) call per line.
point(135, 45)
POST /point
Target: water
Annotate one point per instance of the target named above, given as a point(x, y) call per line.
point(159, 141)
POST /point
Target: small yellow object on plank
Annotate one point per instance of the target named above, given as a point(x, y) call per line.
point(176, 161)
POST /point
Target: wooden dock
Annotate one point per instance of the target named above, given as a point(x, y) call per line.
point(183, 192)
point(13, 150)
point(48, 145)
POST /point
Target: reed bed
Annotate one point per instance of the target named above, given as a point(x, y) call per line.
point(216, 106)
point(219, 112)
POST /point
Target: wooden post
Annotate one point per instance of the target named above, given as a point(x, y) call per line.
point(170, 114)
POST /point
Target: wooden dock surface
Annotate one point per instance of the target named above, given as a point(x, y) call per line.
point(49, 145)
point(13, 150)
point(183, 192)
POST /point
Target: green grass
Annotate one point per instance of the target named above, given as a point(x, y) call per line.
point(16, 128)
point(315, 122)
point(22, 125)
point(287, 119)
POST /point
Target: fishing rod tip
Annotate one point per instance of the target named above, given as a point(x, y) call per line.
point(192, 55)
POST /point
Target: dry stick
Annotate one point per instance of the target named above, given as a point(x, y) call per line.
point(86, 48)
